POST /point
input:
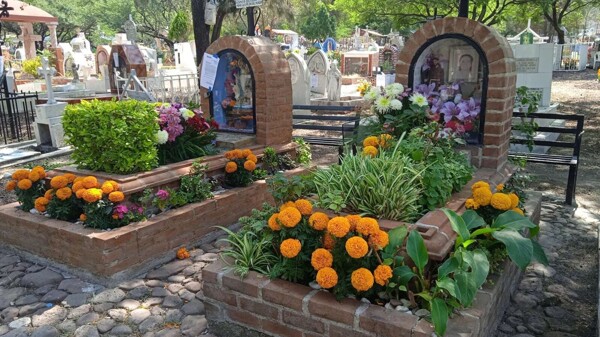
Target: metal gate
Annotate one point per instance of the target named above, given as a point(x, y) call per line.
point(17, 112)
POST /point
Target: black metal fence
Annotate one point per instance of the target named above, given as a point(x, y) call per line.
point(17, 112)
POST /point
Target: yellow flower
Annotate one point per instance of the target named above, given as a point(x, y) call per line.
point(499, 187)
point(246, 153)
point(371, 141)
point(10, 186)
point(327, 278)
point(518, 210)
point(290, 248)
point(77, 186)
point(382, 274)
point(471, 204)
point(70, 177)
point(82, 217)
point(304, 206)
point(338, 226)
point(289, 217)
point(353, 219)
point(64, 193)
point(514, 200)
point(328, 241)
point(480, 184)
point(92, 195)
point(252, 158)
point(49, 194)
point(273, 223)
point(286, 205)
point(370, 151)
point(357, 247)
point(58, 182)
point(321, 258)
point(249, 165)
point(90, 182)
point(231, 167)
point(367, 226)
point(362, 279)
point(20, 175)
point(107, 187)
point(482, 196)
point(501, 201)
point(379, 239)
point(34, 176)
point(385, 140)
point(116, 196)
point(24, 184)
point(114, 184)
point(318, 221)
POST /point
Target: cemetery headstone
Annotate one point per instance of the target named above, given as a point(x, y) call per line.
point(130, 29)
point(48, 122)
point(318, 65)
point(534, 68)
point(300, 80)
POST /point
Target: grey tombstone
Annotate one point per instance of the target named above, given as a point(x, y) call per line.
point(300, 80)
point(318, 65)
point(130, 29)
point(48, 122)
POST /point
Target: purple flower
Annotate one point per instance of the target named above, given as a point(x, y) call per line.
point(449, 109)
point(120, 210)
point(162, 195)
point(426, 90)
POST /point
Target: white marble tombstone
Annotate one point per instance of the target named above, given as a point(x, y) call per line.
point(300, 80)
point(534, 68)
point(318, 65)
point(48, 122)
point(184, 58)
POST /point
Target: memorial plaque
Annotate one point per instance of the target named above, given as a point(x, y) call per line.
point(527, 65)
point(247, 3)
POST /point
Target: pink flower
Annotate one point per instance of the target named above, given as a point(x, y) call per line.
point(162, 195)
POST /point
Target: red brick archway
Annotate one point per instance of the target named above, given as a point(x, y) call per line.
point(493, 153)
point(272, 83)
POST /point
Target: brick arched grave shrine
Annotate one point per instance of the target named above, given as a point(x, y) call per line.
point(128, 250)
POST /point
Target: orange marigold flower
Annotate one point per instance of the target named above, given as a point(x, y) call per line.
point(289, 217)
point(116, 196)
point(24, 184)
point(370, 151)
point(379, 239)
point(78, 185)
point(40, 170)
point(115, 216)
point(357, 247)
point(338, 226)
point(385, 140)
point(290, 248)
point(367, 226)
point(249, 165)
point(286, 205)
point(237, 154)
point(480, 184)
point(518, 210)
point(252, 158)
point(321, 258)
point(229, 155)
point(182, 253)
point(40, 204)
point(501, 201)
point(327, 278)
point(231, 167)
point(304, 206)
point(82, 217)
point(371, 141)
point(10, 186)
point(246, 153)
point(80, 192)
point(328, 241)
point(354, 219)
point(318, 221)
point(471, 204)
point(92, 195)
point(114, 184)
point(107, 187)
point(70, 177)
point(514, 200)
point(34, 176)
point(78, 179)
point(362, 279)
point(499, 187)
point(20, 175)
point(482, 196)
point(49, 194)
point(382, 274)
point(58, 182)
point(90, 182)
point(63, 193)
point(273, 223)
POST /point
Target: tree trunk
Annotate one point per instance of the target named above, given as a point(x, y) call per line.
point(216, 32)
point(560, 34)
point(201, 30)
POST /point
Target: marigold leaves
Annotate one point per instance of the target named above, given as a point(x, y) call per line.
point(415, 247)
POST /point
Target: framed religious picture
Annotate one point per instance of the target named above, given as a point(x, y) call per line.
point(464, 64)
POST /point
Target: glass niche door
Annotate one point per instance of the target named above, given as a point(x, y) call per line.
point(233, 102)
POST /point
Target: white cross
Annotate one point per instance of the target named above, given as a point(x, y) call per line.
point(48, 72)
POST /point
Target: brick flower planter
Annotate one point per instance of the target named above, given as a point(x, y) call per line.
point(258, 306)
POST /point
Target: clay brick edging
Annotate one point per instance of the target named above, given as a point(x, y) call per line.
point(281, 308)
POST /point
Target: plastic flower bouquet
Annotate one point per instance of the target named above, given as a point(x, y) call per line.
point(184, 133)
point(363, 87)
point(238, 171)
point(28, 185)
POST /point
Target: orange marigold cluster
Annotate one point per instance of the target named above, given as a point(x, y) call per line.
point(500, 201)
point(231, 167)
point(338, 226)
point(20, 175)
point(328, 241)
point(92, 195)
point(379, 240)
point(304, 206)
point(182, 253)
point(321, 258)
point(289, 217)
point(24, 184)
point(41, 203)
point(357, 247)
point(362, 279)
point(273, 223)
point(353, 219)
point(367, 226)
point(318, 221)
point(327, 277)
point(90, 182)
point(290, 248)
point(116, 196)
point(382, 274)
point(64, 193)
point(10, 186)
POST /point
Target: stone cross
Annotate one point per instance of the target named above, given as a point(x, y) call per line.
point(48, 72)
point(130, 29)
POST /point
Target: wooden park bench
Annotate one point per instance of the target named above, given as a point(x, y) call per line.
point(342, 128)
point(574, 142)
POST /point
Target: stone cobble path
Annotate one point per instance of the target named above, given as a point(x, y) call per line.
point(558, 300)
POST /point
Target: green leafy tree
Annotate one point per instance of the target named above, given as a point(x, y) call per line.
point(180, 27)
point(319, 25)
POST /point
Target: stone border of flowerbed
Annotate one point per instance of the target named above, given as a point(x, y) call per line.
point(257, 306)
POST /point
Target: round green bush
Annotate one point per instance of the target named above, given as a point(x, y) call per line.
point(112, 136)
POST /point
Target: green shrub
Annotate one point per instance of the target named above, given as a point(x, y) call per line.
point(114, 137)
point(31, 66)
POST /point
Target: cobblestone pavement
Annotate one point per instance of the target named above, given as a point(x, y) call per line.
point(559, 300)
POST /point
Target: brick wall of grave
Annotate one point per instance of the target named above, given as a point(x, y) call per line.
point(493, 153)
point(273, 86)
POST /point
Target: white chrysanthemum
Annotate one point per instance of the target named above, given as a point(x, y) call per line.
point(396, 104)
point(372, 94)
point(162, 136)
point(383, 104)
point(394, 90)
point(419, 100)
point(186, 113)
